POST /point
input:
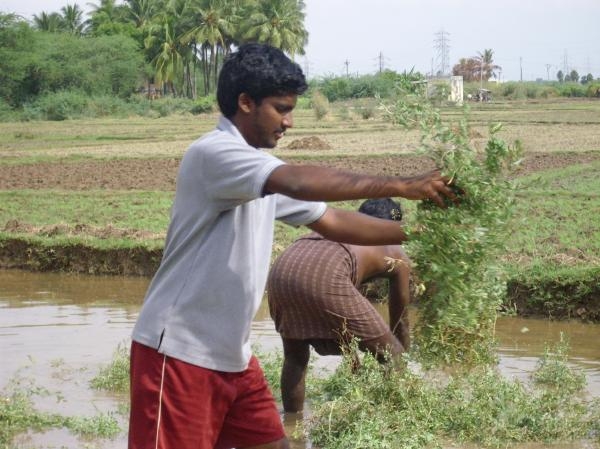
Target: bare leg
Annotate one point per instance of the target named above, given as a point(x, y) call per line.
point(296, 354)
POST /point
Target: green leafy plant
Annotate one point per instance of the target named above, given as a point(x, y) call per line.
point(369, 406)
point(18, 415)
point(114, 376)
point(454, 249)
point(320, 105)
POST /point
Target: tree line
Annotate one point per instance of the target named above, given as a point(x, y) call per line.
point(176, 45)
point(482, 67)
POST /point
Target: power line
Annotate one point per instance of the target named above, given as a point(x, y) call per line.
point(442, 51)
point(381, 62)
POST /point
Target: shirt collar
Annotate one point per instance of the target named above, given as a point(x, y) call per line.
point(227, 126)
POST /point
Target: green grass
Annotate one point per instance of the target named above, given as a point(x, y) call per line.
point(136, 210)
point(557, 220)
point(374, 408)
point(18, 415)
point(114, 376)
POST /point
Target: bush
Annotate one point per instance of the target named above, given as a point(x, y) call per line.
point(382, 85)
point(304, 102)
point(66, 105)
point(365, 110)
point(320, 104)
point(549, 92)
point(593, 90)
point(203, 105)
point(6, 112)
point(58, 106)
point(513, 91)
point(107, 105)
point(56, 62)
point(575, 90)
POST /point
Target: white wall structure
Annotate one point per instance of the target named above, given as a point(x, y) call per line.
point(453, 85)
point(456, 90)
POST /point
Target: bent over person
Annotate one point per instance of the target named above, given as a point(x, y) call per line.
point(194, 381)
point(314, 300)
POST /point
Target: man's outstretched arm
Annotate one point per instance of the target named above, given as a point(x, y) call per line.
point(316, 183)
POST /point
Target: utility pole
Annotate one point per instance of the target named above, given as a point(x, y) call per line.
point(347, 64)
point(588, 65)
point(381, 62)
point(306, 67)
point(442, 50)
point(521, 67)
point(548, 66)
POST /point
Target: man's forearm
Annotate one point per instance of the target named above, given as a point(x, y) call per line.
point(316, 183)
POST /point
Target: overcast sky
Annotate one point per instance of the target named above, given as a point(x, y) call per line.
point(532, 37)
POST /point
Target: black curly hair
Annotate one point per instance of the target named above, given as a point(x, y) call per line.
point(385, 208)
point(260, 71)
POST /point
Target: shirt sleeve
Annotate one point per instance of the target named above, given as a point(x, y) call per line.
point(235, 173)
point(297, 212)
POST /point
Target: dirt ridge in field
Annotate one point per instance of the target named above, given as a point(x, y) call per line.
point(160, 174)
point(80, 229)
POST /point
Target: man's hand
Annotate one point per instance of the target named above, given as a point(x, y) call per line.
point(432, 186)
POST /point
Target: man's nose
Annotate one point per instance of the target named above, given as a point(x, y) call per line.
point(288, 120)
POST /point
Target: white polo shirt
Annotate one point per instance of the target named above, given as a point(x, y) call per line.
point(201, 302)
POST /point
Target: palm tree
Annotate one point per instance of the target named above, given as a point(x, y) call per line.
point(169, 62)
point(163, 44)
point(279, 23)
point(106, 18)
point(487, 68)
point(213, 22)
point(468, 68)
point(48, 22)
point(141, 12)
point(72, 19)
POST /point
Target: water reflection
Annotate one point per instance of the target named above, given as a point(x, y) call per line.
point(57, 330)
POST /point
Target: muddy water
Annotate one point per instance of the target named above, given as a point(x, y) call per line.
point(57, 330)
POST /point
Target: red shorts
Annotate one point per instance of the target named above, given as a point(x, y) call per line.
point(177, 405)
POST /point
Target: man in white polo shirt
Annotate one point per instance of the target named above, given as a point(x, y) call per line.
point(194, 381)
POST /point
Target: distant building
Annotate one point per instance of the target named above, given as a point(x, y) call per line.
point(453, 85)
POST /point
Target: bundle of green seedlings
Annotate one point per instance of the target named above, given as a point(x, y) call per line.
point(455, 249)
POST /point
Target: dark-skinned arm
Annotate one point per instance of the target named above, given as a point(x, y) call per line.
point(399, 298)
point(358, 229)
point(316, 183)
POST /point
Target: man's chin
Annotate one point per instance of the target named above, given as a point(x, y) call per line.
point(270, 145)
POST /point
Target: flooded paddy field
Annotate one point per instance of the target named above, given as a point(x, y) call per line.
point(58, 330)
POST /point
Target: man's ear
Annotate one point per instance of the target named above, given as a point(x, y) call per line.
point(245, 103)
